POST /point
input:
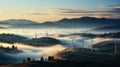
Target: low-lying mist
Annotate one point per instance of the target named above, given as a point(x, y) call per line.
point(33, 52)
point(67, 42)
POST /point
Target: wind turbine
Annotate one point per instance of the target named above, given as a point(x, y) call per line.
point(115, 44)
point(72, 43)
point(83, 44)
point(36, 39)
point(36, 35)
point(115, 48)
point(46, 34)
point(63, 41)
point(115, 51)
point(91, 45)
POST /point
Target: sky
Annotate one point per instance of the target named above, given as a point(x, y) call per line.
point(53, 10)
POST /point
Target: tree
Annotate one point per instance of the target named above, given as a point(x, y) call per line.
point(24, 60)
point(33, 59)
point(42, 59)
point(8, 48)
point(28, 59)
point(13, 47)
point(46, 60)
point(51, 58)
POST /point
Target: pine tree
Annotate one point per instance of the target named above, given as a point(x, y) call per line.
point(28, 59)
point(24, 60)
point(51, 58)
point(42, 59)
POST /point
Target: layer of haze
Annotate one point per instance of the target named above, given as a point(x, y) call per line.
point(34, 52)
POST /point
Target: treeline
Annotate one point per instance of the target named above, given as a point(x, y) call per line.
point(107, 35)
point(111, 35)
point(12, 47)
point(93, 35)
point(42, 59)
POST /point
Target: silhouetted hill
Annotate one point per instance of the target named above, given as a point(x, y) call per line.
point(88, 22)
point(108, 46)
point(5, 55)
point(20, 23)
point(108, 28)
point(44, 41)
point(11, 38)
point(92, 35)
point(110, 35)
point(96, 55)
point(84, 63)
point(6, 59)
point(49, 24)
point(84, 22)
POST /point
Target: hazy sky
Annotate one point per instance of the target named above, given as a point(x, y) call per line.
point(52, 10)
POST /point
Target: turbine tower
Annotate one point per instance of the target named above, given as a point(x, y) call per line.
point(63, 41)
point(83, 44)
point(91, 45)
point(115, 51)
point(46, 35)
point(72, 43)
point(36, 43)
point(115, 48)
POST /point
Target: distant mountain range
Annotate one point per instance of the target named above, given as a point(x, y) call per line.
point(21, 23)
point(84, 22)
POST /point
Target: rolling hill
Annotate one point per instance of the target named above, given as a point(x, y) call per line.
point(108, 28)
point(44, 41)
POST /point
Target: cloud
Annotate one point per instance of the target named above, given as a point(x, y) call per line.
point(45, 12)
point(112, 8)
point(72, 11)
point(36, 13)
point(110, 11)
point(75, 11)
point(116, 10)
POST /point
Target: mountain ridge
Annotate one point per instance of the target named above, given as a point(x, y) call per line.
point(84, 22)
